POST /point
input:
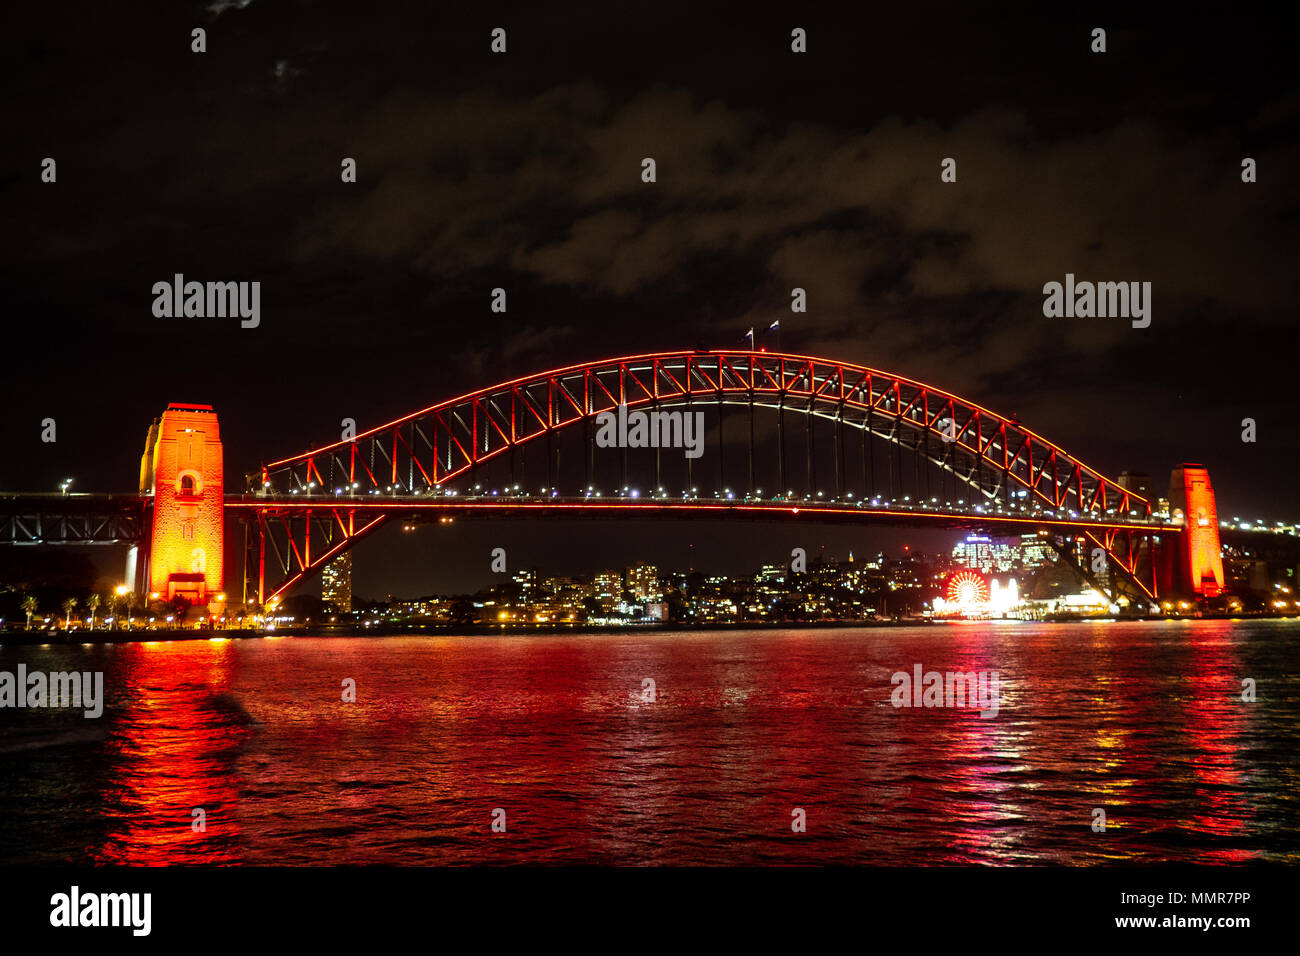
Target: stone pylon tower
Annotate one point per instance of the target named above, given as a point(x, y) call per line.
point(182, 469)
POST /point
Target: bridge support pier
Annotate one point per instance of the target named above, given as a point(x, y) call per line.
point(181, 472)
point(1199, 559)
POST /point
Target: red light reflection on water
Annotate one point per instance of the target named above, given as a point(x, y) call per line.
point(1216, 715)
point(743, 728)
point(170, 752)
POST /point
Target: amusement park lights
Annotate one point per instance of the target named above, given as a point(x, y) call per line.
point(969, 594)
point(967, 589)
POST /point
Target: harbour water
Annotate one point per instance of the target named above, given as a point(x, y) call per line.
point(562, 741)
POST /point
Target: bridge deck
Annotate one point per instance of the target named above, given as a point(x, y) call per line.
point(41, 518)
point(485, 506)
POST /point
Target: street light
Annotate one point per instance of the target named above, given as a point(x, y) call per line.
point(64, 485)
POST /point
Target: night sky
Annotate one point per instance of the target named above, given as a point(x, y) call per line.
point(522, 171)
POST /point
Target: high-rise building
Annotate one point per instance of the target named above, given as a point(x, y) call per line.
point(336, 583)
point(1139, 483)
point(608, 586)
point(527, 581)
point(643, 582)
point(988, 555)
point(979, 552)
point(1035, 551)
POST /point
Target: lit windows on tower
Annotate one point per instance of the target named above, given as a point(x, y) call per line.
point(608, 588)
point(336, 583)
point(643, 582)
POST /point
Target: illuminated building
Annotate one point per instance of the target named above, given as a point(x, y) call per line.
point(567, 596)
point(1035, 550)
point(608, 586)
point(713, 608)
point(182, 469)
point(975, 552)
point(770, 584)
point(527, 581)
point(981, 553)
point(336, 583)
point(1088, 601)
point(643, 582)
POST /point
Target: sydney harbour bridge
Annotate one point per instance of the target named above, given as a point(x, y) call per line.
point(780, 437)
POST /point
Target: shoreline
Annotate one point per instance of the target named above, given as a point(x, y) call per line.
point(70, 638)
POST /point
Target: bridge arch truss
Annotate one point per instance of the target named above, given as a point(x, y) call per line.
point(344, 490)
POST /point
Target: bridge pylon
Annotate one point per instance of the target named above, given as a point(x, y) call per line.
point(181, 474)
point(1199, 560)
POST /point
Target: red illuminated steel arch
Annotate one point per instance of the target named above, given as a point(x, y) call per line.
point(420, 452)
